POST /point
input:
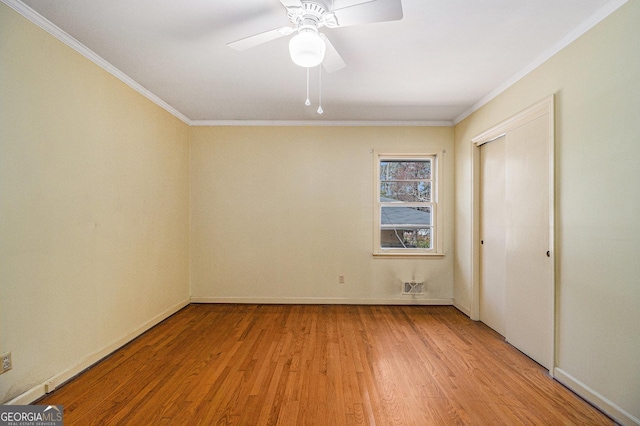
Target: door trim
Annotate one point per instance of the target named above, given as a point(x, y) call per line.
point(543, 108)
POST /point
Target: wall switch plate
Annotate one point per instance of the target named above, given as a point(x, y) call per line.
point(6, 362)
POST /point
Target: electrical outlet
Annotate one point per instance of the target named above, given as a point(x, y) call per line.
point(340, 279)
point(6, 362)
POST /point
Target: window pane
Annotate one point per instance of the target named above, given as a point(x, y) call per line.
point(405, 216)
point(406, 238)
point(405, 170)
point(405, 191)
point(405, 203)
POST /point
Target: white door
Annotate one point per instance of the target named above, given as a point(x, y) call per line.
point(529, 269)
point(493, 290)
point(516, 207)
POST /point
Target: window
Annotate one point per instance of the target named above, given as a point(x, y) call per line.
point(406, 205)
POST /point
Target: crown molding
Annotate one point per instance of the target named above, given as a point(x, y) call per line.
point(327, 123)
point(591, 22)
point(70, 41)
point(67, 39)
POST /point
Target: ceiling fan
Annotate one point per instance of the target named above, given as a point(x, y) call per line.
point(309, 47)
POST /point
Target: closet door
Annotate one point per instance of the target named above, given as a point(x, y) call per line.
point(493, 255)
point(529, 269)
point(516, 266)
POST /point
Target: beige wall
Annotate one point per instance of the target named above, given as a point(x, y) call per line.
point(278, 213)
point(596, 81)
point(95, 203)
point(93, 208)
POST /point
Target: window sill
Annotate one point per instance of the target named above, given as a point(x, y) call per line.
point(409, 255)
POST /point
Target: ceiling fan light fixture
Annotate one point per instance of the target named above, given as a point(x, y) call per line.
point(307, 48)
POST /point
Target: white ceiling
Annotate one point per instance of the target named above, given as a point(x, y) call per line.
point(441, 59)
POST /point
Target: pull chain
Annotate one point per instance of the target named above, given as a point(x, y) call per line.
point(307, 102)
point(320, 111)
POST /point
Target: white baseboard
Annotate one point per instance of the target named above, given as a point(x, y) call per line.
point(611, 409)
point(461, 308)
point(47, 386)
point(409, 300)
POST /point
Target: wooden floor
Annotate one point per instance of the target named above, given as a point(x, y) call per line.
point(319, 365)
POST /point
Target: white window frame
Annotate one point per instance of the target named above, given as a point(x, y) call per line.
point(436, 205)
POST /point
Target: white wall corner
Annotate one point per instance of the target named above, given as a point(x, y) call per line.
point(464, 309)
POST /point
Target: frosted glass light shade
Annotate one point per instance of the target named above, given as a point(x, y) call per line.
point(307, 49)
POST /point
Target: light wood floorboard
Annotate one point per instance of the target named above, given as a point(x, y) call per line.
point(319, 365)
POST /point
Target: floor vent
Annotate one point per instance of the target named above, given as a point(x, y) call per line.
point(412, 288)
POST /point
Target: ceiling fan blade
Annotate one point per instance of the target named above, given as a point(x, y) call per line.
point(260, 38)
point(369, 12)
point(332, 59)
point(291, 3)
